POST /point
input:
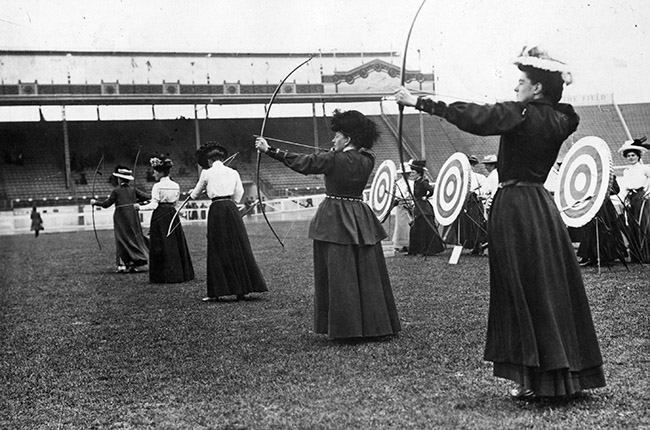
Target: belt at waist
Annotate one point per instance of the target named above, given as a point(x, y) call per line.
point(214, 199)
point(518, 183)
point(351, 199)
point(167, 204)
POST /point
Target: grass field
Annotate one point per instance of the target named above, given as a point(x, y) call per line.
point(82, 347)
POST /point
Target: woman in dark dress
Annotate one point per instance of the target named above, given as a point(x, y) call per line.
point(353, 296)
point(169, 257)
point(131, 247)
point(424, 239)
point(37, 221)
point(232, 269)
point(540, 332)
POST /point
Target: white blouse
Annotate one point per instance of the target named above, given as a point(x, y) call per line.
point(163, 191)
point(219, 181)
point(635, 176)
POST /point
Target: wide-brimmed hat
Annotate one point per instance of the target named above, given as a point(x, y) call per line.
point(537, 57)
point(489, 159)
point(124, 173)
point(418, 165)
point(632, 145)
point(406, 168)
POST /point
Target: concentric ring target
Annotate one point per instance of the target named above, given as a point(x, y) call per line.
point(451, 188)
point(583, 181)
point(382, 190)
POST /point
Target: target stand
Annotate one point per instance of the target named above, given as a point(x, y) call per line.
point(450, 194)
point(382, 195)
point(583, 183)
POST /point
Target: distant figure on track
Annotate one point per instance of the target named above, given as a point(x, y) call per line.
point(37, 221)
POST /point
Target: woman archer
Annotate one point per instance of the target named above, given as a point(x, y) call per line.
point(540, 331)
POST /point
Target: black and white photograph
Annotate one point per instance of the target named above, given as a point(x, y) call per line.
point(309, 214)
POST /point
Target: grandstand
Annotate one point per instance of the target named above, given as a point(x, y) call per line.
point(53, 162)
point(39, 174)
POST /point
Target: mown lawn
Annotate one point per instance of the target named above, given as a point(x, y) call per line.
point(82, 347)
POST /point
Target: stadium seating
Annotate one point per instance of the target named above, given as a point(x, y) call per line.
point(41, 176)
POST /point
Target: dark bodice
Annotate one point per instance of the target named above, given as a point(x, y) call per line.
point(531, 133)
point(346, 173)
point(342, 221)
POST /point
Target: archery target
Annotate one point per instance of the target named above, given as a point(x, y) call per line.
point(451, 188)
point(583, 181)
point(382, 190)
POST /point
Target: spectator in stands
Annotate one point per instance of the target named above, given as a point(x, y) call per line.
point(540, 332)
point(424, 236)
point(353, 295)
point(131, 247)
point(169, 257)
point(232, 269)
point(37, 222)
point(635, 192)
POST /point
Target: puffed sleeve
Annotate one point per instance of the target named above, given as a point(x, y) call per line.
point(200, 185)
point(239, 188)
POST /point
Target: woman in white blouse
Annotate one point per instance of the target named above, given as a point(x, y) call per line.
point(231, 266)
point(635, 190)
point(169, 257)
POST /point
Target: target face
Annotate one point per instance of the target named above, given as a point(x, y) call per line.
point(451, 189)
point(583, 181)
point(382, 190)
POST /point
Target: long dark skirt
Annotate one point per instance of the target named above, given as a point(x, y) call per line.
point(131, 246)
point(353, 296)
point(232, 269)
point(637, 230)
point(540, 331)
point(605, 243)
point(470, 228)
point(169, 257)
point(423, 239)
point(473, 226)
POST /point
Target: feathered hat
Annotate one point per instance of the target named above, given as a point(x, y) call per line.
point(161, 162)
point(210, 150)
point(538, 58)
point(634, 145)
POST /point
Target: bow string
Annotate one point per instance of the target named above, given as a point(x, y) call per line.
point(261, 134)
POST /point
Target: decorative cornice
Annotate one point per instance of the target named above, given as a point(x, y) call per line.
point(377, 66)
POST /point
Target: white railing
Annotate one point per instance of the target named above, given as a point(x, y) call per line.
point(80, 218)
